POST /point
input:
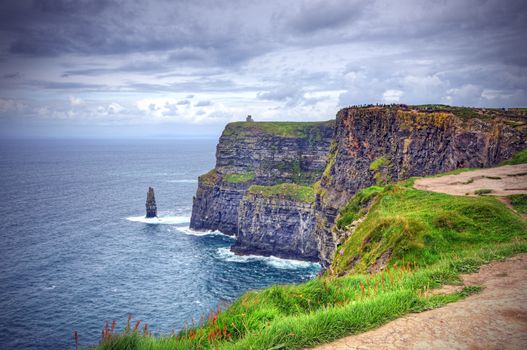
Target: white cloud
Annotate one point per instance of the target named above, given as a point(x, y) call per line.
point(158, 108)
point(115, 108)
point(392, 96)
point(9, 105)
point(75, 101)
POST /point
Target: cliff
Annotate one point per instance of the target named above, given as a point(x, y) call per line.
point(377, 145)
point(244, 195)
point(258, 153)
point(277, 220)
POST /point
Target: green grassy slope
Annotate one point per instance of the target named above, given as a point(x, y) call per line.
point(421, 228)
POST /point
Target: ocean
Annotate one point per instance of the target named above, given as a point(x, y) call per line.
point(76, 251)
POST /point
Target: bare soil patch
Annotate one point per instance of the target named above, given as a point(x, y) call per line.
point(502, 181)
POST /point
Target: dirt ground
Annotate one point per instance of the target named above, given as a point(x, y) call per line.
point(495, 318)
point(503, 181)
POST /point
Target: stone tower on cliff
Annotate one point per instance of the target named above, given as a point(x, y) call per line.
point(151, 208)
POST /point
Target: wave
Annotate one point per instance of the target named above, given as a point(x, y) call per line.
point(184, 181)
point(163, 220)
point(191, 232)
point(279, 263)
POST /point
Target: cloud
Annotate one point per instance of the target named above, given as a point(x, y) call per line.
point(115, 108)
point(166, 61)
point(313, 16)
point(10, 105)
point(203, 103)
point(15, 75)
point(75, 101)
point(392, 96)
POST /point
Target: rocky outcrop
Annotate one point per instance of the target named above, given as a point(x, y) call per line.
point(151, 208)
point(383, 144)
point(216, 203)
point(257, 153)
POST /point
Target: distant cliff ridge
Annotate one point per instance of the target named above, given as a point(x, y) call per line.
point(278, 187)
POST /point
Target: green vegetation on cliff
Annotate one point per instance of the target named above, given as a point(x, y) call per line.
point(421, 228)
point(210, 178)
point(238, 178)
point(292, 191)
point(357, 206)
point(517, 158)
point(281, 129)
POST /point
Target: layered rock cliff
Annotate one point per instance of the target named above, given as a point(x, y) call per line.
point(258, 153)
point(384, 144)
point(277, 220)
point(245, 194)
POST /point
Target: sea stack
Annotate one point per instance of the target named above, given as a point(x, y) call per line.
point(151, 208)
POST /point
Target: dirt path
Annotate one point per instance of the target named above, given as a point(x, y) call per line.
point(496, 318)
point(503, 181)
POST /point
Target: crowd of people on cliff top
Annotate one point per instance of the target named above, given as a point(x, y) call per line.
point(391, 105)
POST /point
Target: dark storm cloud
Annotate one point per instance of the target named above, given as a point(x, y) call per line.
point(51, 85)
point(196, 31)
point(15, 75)
point(324, 14)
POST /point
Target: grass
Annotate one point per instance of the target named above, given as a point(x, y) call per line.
point(292, 191)
point(423, 227)
point(357, 206)
point(519, 202)
point(282, 129)
point(432, 237)
point(518, 158)
point(238, 178)
point(210, 178)
point(378, 163)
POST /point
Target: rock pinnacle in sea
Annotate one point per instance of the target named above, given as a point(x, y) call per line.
point(151, 208)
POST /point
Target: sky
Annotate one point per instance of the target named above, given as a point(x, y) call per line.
point(176, 69)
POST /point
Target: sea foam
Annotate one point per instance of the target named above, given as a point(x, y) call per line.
point(191, 232)
point(164, 220)
point(279, 263)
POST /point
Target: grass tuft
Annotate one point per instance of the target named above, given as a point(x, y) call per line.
point(518, 158)
point(292, 191)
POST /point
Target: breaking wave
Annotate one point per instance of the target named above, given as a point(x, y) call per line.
point(279, 263)
point(191, 232)
point(163, 220)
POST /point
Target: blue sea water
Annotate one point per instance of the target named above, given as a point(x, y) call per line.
point(75, 250)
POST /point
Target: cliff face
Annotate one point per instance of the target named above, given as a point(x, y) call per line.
point(276, 225)
point(382, 144)
point(257, 153)
point(262, 191)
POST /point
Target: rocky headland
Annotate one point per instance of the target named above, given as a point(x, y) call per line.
point(279, 186)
